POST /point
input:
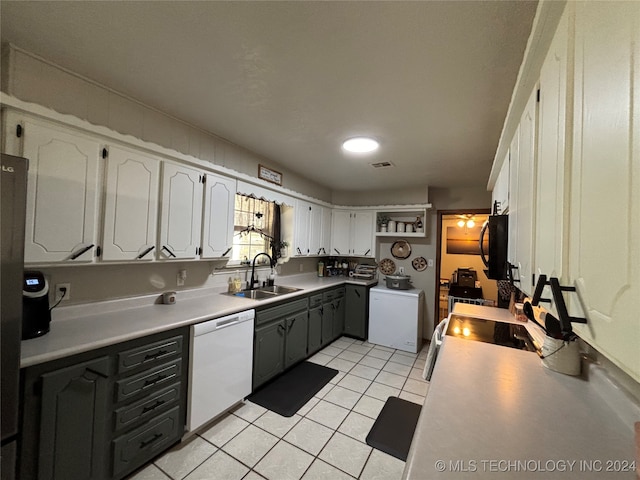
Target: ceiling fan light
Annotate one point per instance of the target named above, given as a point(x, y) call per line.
point(360, 145)
point(461, 223)
point(471, 224)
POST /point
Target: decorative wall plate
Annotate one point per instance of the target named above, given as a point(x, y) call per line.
point(387, 266)
point(419, 264)
point(401, 249)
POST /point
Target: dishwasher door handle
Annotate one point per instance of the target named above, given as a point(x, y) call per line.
point(229, 322)
point(209, 326)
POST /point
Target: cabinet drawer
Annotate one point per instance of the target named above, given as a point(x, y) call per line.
point(142, 444)
point(147, 407)
point(280, 311)
point(150, 354)
point(332, 295)
point(149, 379)
point(315, 300)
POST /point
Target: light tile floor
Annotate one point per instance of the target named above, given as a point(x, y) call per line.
point(324, 440)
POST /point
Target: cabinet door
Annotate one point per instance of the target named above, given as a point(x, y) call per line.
point(301, 228)
point(550, 237)
point(181, 219)
point(73, 421)
point(355, 316)
point(514, 167)
point(325, 235)
point(62, 193)
point(315, 229)
point(340, 232)
point(296, 339)
point(604, 262)
point(362, 234)
point(219, 204)
point(328, 312)
point(269, 352)
point(500, 191)
point(526, 193)
point(131, 206)
point(314, 340)
point(337, 306)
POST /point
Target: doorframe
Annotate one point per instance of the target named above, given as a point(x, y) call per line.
point(442, 213)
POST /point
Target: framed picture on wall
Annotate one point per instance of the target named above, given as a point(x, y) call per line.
point(465, 241)
point(269, 175)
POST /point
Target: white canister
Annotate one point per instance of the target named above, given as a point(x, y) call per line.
point(400, 227)
point(391, 226)
point(408, 228)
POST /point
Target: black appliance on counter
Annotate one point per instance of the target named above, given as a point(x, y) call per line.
point(36, 315)
point(13, 193)
point(497, 264)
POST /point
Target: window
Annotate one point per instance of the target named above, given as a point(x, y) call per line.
point(253, 228)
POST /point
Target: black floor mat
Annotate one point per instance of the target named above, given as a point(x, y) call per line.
point(393, 430)
point(290, 391)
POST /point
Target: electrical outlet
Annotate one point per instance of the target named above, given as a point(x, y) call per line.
point(401, 270)
point(63, 288)
point(430, 262)
point(181, 277)
point(301, 267)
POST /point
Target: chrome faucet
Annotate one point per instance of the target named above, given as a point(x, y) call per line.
point(253, 267)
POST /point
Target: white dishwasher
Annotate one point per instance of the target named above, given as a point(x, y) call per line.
point(221, 366)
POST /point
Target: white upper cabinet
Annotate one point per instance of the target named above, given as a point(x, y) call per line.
point(181, 212)
point(63, 191)
point(301, 231)
point(325, 237)
point(604, 253)
point(131, 206)
point(525, 194)
point(352, 233)
point(514, 167)
point(217, 225)
point(310, 229)
point(550, 210)
point(500, 193)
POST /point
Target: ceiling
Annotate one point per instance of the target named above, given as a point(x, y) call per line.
point(431, 80)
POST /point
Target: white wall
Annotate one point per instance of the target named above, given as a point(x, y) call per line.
point(36, 80)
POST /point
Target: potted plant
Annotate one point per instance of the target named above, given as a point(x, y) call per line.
point(382, 221)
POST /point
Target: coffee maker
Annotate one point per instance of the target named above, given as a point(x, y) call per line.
point(36, 315)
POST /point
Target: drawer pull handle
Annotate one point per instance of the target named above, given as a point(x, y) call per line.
point(153, 439)
point(159, 378)
point(151, 408)
point(153, 356)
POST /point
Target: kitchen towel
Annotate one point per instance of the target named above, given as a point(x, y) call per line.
point(290, 391)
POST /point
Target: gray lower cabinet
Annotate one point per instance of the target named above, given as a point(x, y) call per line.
point(333, 318)
point(73, 424)
point(268, 354)
point(280, 339)
point(314, 342)
point(103, 414)
point(356, 319)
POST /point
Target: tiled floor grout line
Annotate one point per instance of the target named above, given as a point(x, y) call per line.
point(334, 431)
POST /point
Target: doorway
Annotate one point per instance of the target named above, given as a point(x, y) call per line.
point(457, 235)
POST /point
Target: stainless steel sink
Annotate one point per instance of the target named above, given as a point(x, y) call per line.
point(264, 292)
point(279, 289)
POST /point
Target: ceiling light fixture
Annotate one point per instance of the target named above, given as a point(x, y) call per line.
point(360, 145)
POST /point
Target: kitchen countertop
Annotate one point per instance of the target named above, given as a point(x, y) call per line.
point(494, 412)
point(80, 328)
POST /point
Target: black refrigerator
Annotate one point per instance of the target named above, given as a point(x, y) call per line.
point(13, 198)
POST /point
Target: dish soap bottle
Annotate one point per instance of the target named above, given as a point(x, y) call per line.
point(321, 268)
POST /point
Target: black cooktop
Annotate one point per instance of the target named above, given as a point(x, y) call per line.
point(511, 335)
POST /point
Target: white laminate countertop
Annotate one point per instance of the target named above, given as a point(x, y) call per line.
point(80, 328)
point(494, 412)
